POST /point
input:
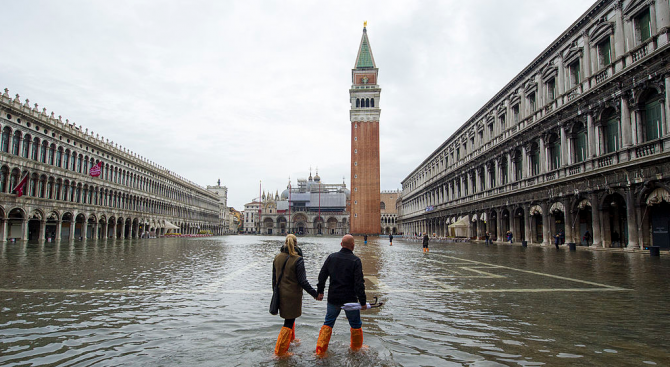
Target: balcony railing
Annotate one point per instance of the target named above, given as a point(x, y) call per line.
point(646, 149)
point(641, 51)
point(602, 76)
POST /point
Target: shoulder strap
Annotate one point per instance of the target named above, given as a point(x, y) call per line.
point(282, 269)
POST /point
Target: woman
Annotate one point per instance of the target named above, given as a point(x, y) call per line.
point(293, 281)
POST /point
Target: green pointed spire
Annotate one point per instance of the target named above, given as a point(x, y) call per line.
point(364, 60)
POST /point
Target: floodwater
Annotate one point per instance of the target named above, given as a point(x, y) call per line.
point(203, 301)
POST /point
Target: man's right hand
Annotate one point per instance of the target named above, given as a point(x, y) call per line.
point(319, 297)
point(364, 307)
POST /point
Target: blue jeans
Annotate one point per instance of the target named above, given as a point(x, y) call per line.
point(332, 312)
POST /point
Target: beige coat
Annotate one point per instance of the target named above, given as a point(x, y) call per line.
point(290, 292)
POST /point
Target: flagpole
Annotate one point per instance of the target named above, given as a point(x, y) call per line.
point(21, 185)
point(289, 205)
point(260, 206)
point(319, 204)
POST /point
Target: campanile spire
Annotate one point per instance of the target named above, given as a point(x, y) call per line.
point(364, 116)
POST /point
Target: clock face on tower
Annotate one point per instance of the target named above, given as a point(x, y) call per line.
point(364, 80)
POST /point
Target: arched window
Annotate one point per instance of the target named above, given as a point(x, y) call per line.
point(50, 186)
point(610, 131)
point(503, 172)
point(534, 156)
point(651, 116)
point(554, 148)
point(358, 102)
point(16, 142)
point(66, 159)
point(492, 177)
point(43, 151)
point(52, 151)
point(36, 149)
point(41, 187)
point(382, 205)
point(372, 102)
point(4, 174)
point(59, 157)
point(367, 102)
point(57, 190)
point(79, 159)
point(32, 191)
point(5, 139)
point(27, 140)
point(579, 143)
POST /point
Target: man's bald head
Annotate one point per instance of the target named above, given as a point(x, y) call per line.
point(348, 242)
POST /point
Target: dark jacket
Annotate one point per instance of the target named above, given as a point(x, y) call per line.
point(292, 284)
point(425, 239)
point(346, 278)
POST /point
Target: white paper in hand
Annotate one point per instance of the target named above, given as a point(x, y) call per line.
point(353, 306)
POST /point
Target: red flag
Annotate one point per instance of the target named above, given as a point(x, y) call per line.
point(21, 185)
point(96, 170)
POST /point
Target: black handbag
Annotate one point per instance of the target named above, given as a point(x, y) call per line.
point(274, 303)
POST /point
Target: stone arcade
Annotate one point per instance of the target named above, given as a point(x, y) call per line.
point(132, 196)
point(576, 142)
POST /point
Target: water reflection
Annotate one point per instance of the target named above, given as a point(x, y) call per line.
point(204, 301)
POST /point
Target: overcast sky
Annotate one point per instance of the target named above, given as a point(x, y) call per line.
point(254, 90)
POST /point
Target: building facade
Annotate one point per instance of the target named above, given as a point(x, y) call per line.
point(250, 215)
point(364, 115)
point(577, 144)
point(224, 211)
point(389, 212)
point(132, 197)
point(309, 208)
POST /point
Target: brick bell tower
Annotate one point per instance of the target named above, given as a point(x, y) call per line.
point(364, 115)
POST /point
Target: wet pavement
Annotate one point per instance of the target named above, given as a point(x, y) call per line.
point(203, 301)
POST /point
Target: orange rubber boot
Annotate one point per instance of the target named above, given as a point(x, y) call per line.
point(293, 339)
point(283, 341)
point(356, 338)
point(324, 339)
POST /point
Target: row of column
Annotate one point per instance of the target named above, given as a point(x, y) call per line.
point(134, 232)
point(439, 226)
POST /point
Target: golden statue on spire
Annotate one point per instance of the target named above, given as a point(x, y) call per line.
point(365, 24)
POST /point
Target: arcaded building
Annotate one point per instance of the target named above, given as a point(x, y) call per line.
point(132, 196)
point(576, 144)
point(364, 116)
point(389, 212)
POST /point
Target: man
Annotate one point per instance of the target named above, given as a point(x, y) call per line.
point(391, 239)
point(346, 285)
point(425, 243)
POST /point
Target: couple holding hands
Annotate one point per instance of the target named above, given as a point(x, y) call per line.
point(346, 285)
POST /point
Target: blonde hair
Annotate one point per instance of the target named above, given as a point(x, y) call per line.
point(290, 243)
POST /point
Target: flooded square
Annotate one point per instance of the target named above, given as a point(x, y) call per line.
point(181, 301)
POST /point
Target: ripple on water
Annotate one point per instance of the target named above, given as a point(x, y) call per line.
point(204, 302)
